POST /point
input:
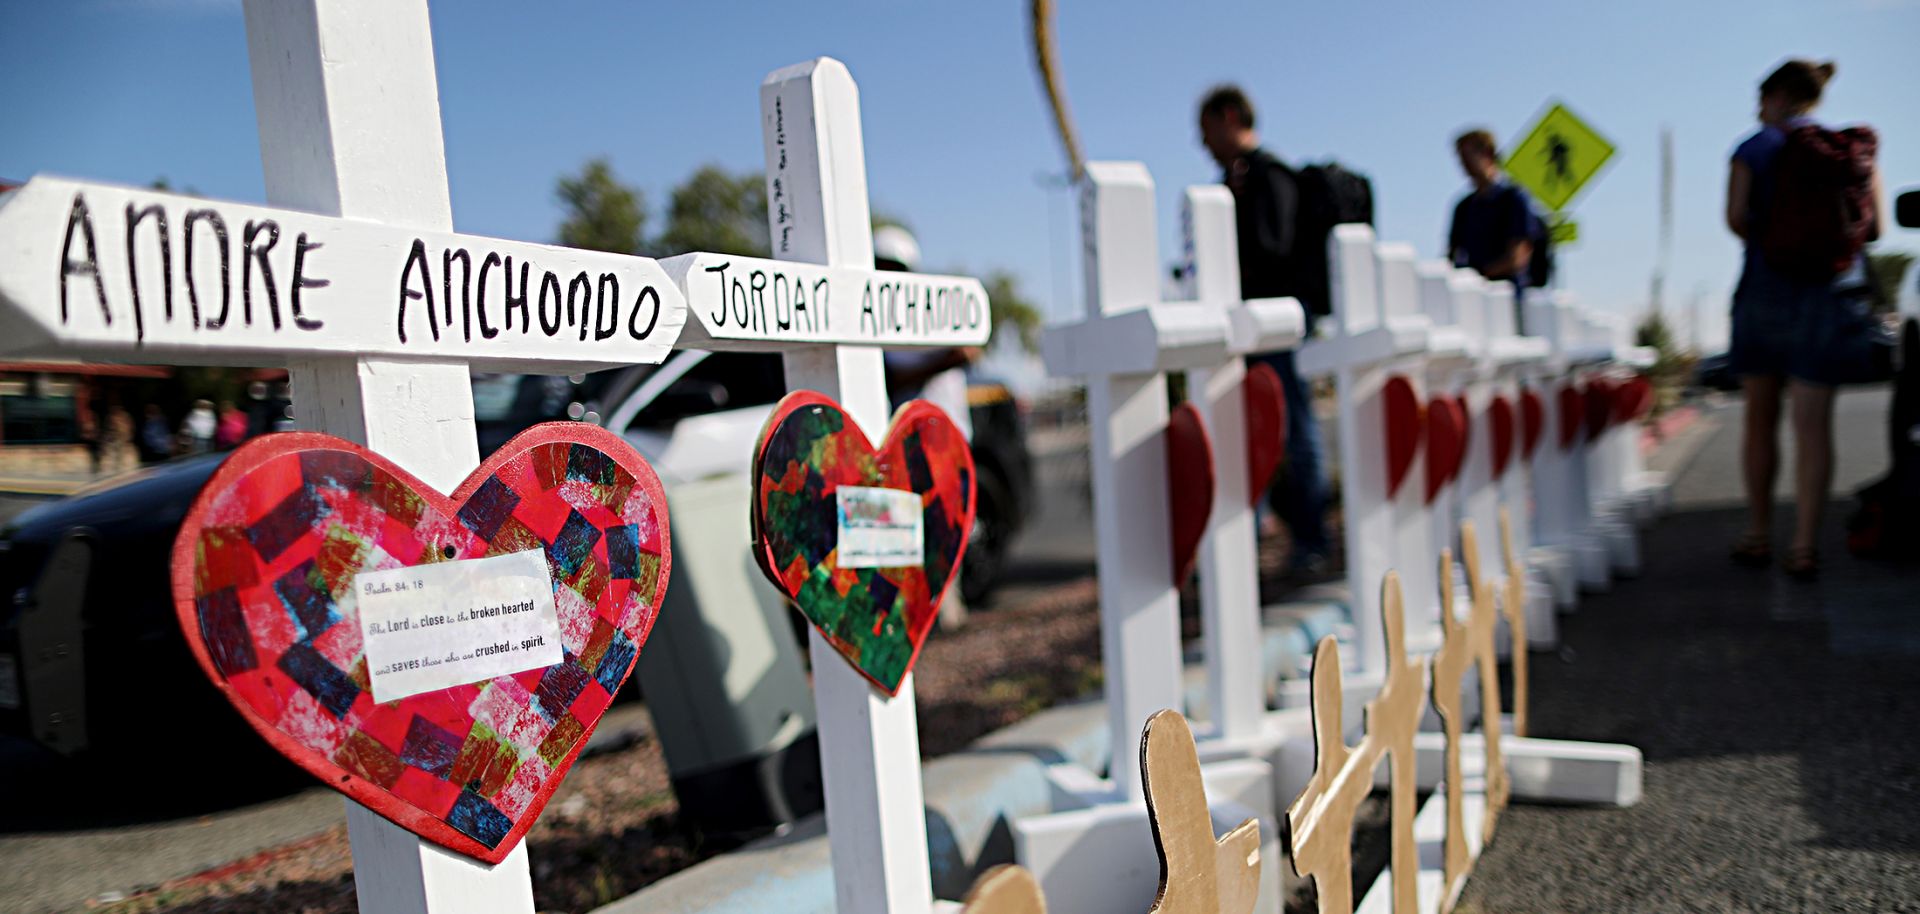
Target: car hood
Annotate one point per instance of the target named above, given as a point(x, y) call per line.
point(157, 496)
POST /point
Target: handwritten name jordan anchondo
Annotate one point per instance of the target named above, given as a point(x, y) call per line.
point(496, 294)
point(429, 620)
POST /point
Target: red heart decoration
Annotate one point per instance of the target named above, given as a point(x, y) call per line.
point(1466, 433)
point(264, 584)
point(1500, 424)
point(1572, 413)
point(1405, 427)
point(1266, 405)
point(876, 616)
point(1599, 403)
point(1446, 443)
point(1189, 485)
point(1533, 419)
point(1632, 399)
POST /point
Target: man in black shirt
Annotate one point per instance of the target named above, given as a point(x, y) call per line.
point(1493, 225)
point(1266, 198)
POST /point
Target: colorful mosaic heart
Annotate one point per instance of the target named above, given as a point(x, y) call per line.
point(264, 583)
point(1190, 484)
point(876, 615)
point(1266, 406)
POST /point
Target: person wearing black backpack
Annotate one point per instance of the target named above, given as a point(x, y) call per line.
point(1805, 201)
point(1495, 230)
point(1278, 258)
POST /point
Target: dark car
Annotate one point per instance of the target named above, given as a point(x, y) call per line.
point(88, 629)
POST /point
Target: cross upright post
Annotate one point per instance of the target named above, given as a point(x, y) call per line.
point(1229, 566)
point(1123, 346)
point(349, 112)
point(817, 212)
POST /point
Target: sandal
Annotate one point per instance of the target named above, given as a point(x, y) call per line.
point(1802, 564)
point(1752, 550)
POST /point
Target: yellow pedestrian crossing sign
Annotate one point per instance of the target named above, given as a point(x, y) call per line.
point(1558, 157)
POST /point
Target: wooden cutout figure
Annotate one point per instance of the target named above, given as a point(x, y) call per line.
point(1320, 821)
point(1198, 875)
point(1514, 607)
point(1460, 647)
point(1005, 889)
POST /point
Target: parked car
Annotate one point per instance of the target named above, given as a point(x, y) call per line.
point(78, 648)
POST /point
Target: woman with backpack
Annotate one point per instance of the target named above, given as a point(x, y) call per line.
point(1804, 199)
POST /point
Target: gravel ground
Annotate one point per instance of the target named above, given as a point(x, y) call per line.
point(1780, 722)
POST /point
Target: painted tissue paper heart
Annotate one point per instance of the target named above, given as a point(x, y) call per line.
point(440, 659)
point(863, 541)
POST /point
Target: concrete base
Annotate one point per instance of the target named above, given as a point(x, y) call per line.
point(1556, 565)
point(1429, 837)
point(1099, 857)
point(1616, 529)
point(1546, 770)
point(1593, 563)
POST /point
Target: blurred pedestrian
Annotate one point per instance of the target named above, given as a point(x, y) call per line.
point(116, 445)
point(232, 428)
point(198, 428)
point(156, 435)
point(1495, 230)
point(1276, 260)
point(1804, 200)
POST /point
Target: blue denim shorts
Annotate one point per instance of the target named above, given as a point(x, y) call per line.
point(1800, 330)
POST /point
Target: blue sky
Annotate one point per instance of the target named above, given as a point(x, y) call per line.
point(958, 136)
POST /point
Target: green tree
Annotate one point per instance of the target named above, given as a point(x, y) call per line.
point(602, 213)
point(1011, 309)
point(716, 211)
point(1888, 269)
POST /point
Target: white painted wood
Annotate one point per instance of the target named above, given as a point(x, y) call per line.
point(746, 303)
point(817, 211)
point(103, 271)
point(1546, 770)
point(1228, 564)
point(349, 116)
point(1127, 418)
point(1362, 353)
point(1100, 858)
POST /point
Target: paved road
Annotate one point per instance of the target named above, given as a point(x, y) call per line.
point(1780, 721)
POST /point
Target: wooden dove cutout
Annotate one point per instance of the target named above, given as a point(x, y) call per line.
point(1006, 889)
point(1198, 875)
point(1514, 607)
point(1320, 821)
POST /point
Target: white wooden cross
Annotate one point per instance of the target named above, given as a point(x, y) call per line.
point(355, 282)
point(822, 306)
point(1094, 856)
point(1228, 563)
point(1577, 540)
point(1366, 346)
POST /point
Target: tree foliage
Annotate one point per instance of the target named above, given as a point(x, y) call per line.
point(602, 213)
point(1888, 269)
point(1011, 309)
point(719, 212)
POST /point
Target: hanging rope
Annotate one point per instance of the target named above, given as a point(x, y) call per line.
point(1044, 56)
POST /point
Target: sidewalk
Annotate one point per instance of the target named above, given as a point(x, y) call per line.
point(1780, 721)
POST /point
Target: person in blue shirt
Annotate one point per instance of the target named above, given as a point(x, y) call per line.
point(1494, 226)
point(1779, 324)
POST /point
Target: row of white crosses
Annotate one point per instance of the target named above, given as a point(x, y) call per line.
point(358, 300)
point(1093, 855)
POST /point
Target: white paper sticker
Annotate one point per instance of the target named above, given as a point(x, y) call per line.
point(879, 528)
point(432, 627)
